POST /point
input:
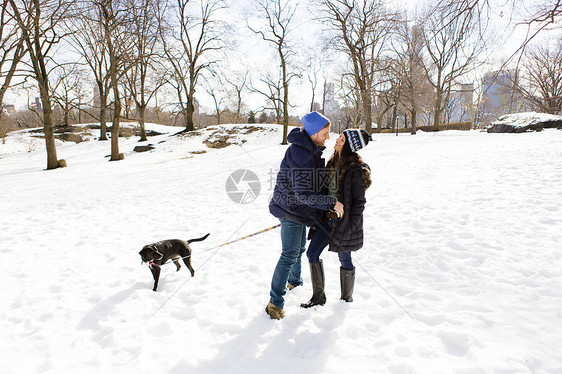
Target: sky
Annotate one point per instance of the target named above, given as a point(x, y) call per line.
point(257, 55)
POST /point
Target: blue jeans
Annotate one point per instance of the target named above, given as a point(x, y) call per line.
point(345, 260)
point(320, 241)
point(288, 269)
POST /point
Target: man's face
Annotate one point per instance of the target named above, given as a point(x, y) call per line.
point(321, 136)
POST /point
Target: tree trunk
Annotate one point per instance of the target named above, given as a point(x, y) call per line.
point(285, 125)
point(103, 120)
point(238, 108)
point(190, 109)
point(116, 115)
point(285, 98)
point(66, 115)
point(18, 55)
point(3, 132)
point(367, 110)
point(380, 118)
point(115, 130)
point(142, 114)
point(393, 121)
point(414, 119)
point(437, 110)
point(48, 128)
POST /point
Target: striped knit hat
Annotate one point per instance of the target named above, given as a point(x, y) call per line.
point(356, 138)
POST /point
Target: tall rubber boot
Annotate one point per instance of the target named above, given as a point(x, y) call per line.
point(347, 281)
point(317, 277)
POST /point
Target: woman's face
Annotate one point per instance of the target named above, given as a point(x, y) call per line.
point(339, 143)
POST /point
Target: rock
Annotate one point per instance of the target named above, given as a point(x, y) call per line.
point(143, 148)
point(522, 122)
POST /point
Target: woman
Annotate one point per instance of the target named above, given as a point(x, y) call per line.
point(351, 177)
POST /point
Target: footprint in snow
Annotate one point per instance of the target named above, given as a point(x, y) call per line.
point(455, 344)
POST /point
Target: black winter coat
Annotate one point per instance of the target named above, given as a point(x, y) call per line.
point(300, 193)
point(353, 179)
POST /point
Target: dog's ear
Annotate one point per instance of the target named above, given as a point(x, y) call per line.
point(154, 252)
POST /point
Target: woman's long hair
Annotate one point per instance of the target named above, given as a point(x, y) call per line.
point(338, 159)
point(337, 163)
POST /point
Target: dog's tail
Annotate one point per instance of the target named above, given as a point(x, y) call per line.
point(198, 239)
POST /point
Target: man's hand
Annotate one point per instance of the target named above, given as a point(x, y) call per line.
point(339, 209)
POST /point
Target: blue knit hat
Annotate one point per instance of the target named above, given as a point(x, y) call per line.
point(314, 122)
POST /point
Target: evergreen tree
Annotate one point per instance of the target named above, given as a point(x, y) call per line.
point(252, 117)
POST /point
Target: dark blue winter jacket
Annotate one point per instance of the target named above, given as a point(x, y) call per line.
point(300, 193)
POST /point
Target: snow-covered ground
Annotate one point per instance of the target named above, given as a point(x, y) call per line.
point(461, 270)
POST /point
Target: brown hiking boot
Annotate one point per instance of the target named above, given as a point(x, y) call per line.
point(274, 312)
point(291, 286)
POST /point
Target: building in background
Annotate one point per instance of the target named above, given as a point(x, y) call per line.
point(8, 109)
point(36, 105)
point(500, 96)
point(461, 104)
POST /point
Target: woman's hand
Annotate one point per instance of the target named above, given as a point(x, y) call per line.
point(339, 209)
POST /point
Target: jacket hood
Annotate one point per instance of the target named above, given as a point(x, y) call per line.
point(300, 138)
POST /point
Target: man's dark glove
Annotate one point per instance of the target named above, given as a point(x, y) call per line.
point(311, 233)
point(331, 214)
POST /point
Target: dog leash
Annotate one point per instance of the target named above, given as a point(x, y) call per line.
point(245, 237)
point(222, 245)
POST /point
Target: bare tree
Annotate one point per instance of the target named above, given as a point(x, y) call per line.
point(215, 88)
point(148, 73)
point(12, 50)
point(191, 48)
point(538, 16)
point(314, 69)
point(116, 26)
point(39, 21)
point(409, 70)
point(541, 80)
point(88, 41)
point(239, 82)
point(271, 89)
point(383, 103)
point(66, 90)
point(362, 28)
point(351, 97)
point(278, 16)
point(453, 40)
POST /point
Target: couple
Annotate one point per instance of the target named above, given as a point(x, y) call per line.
point(328, 198)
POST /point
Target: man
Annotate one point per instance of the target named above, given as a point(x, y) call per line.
point(299, 200)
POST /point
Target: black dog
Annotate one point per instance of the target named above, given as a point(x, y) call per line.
point(156, 254)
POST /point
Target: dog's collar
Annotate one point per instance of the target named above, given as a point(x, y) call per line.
point(151, 264)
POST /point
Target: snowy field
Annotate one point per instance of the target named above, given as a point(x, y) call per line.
point(461, 270)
